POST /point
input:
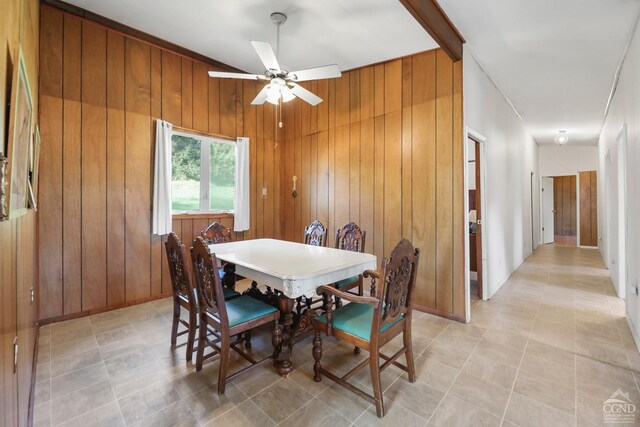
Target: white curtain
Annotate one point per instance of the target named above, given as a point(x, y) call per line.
point(242, 214)
point(161, 220)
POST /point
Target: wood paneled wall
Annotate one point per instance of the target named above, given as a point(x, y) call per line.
point(385, 149)
point(101, 94)
point(18, 266)
point(588, 208)
point(565, 205)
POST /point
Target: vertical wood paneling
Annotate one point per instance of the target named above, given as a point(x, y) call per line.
point(367, 174)
point(94, 167)
point(159, 266)
point(138, 169)
point(394, 164)
point(115, 169)
point(72, 159)
point(392, 179)
point(171, 87)
point(444, 182)
point(227, 101)
point(187, 93)
point(459, 225)
point(379, 186)
point(269, 149)
point(354, 168)
point(50, 192)
point(407, 194)
point(200, 97)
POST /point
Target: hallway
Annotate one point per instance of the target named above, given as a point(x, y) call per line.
point(548, 349)
point(580, 349)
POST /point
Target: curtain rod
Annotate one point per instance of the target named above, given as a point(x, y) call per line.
point(201, 133)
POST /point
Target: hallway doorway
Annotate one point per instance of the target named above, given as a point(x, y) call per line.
point(559, 206)
point(475, 202)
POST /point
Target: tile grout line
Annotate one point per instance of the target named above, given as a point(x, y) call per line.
point(394, 381)
point(444, 396)
point(108, 376)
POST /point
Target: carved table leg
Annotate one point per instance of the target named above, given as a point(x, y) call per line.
point(283, 359)
point(229, 278)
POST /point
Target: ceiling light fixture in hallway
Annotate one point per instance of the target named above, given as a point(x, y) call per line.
point(562, 137)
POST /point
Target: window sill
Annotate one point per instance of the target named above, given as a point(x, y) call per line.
point(202, 215)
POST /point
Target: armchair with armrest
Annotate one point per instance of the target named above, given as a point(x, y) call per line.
point(370, 322)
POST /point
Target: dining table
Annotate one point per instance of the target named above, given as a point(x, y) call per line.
point(294, 270)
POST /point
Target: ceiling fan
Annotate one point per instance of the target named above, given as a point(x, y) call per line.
point(281, 84)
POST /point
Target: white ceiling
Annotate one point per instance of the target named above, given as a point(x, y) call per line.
point(554, 60)
point(348, 33)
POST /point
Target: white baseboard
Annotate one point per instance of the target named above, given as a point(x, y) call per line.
point(634, 331)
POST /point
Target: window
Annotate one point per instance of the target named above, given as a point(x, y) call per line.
point(203, 171)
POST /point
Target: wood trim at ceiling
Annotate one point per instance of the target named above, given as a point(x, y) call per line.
point(430, 15)
point(137, 34)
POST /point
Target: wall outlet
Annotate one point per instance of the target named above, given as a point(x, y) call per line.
point(264, 191)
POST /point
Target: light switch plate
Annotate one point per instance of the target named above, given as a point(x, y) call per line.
point(264, 191)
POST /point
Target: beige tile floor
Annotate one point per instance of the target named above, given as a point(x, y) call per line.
point(547, 350)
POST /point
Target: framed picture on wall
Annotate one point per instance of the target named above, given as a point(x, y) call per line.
point(19, 141)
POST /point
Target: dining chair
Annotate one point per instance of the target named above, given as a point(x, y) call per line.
point(218, 233)
point(315, 234)
point(222, 319)
point(184, 293)
point(350, 238)
point(371, 322)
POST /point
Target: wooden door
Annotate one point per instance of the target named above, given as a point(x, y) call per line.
point(565, 205)
point(588, 208)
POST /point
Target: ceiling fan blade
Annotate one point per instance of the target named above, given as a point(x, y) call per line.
point(305, 95)
point(327, 72)
point(262, 96)
point(265, 52)
point(224, 75)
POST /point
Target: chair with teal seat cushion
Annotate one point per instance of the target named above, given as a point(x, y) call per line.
point(355, 319)
point(370, 322)
point(350, 238)
point(184, 293)
point(221, 318)
point(230, 294)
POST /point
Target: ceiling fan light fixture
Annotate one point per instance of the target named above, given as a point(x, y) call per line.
point(287, 95)
point(273, 94)
point(562, 137)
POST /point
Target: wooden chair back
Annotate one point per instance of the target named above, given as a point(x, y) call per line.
point(398, 285)
point(178, 271)
point(315, 234)
point(216, 233)
point(351, 238)
point(207, 279)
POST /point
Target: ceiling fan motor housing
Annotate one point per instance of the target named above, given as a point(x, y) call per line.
point(278, 18)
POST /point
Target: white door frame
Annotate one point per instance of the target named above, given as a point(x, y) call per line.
point(622, 209)
point(607, 206)
point(475, 136)
point(542, 206)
